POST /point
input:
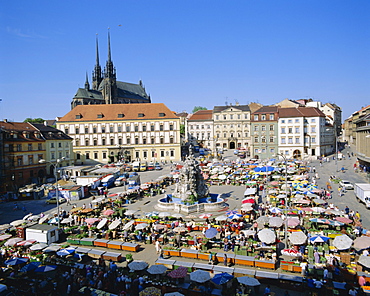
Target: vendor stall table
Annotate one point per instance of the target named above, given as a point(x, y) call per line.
point(82, 250)
point(87, 241)
point(244, 272)
point(132, 247)
point(112, 256)
point(267, 275)
point(96, 254)
point(244, 260)
point(166, 262)
point(101, 243)
point(202, 266)
point(221, 269)
point(230, 257)
point(290, 266)
point(189, 253)
point(188, 265)
point(269, 264)
point(115, 245)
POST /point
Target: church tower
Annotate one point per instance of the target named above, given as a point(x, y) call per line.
point(97, 75)
point(110, 87)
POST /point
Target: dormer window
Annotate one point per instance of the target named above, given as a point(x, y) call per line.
point(162, 114)
point(78, 116)
point(141, 115)
point(121, 115)
point(100, 115)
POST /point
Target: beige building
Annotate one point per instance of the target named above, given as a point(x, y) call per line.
point(361, 128)
point(200, 129)
point(108, 133)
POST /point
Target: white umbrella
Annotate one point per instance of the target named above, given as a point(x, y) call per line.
point(222, 177)
point(318, 209)
point(275, 221)
point(27, 216)
point(43, 219)
point(221, 218)
point(17, 223)
point(137, 265)
point(5, 226)
point(342, 242)
point(297, 238)
point(67, 220)
point(247, 207)
point(248, 281)
point(128, 225)
point(33, 218)
point(114, 224)
point(38, 246)
point(130, 212)
point(267, 236)
point(248, 232)
point(164, 214)
point(141, 226)
point(177, 215)
point(200, 276)
point(51, 248)
point(364, 260)
point(102, 223)
point(13, 241)
point(157, 269)
point(263, 220)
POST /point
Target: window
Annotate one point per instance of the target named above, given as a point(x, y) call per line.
point(95, 142)
point(104, 155)
point(19, 161)
point(128, 141)
point(255, 139)
point(263, 140)
point(19, 147)
point(29, 147)
point(313, 129)
point(263, 127)
point(94, 130)
point(297, 120)
point(271, 127)
point(238, 116)
point(171, 140)
point(137, 154)
point(283, 130)
point(111, 130)
point(144, 128)
point(256, 151)
point(161, 140)
point(153, 154)
point(283, 141)
point(297, 140)
point(272, 117)
point(52, 145)
point(95, 155)
point(119, 141)
point(217, 117)
point(263, 150)
point(87, 155)
point(162, 114)
point(52, 155)
point(77, 141)
point(120, 115)
point(119, 129)
point(162, 153)
point(255, 117)
point(224, 117)
point(245, 116)
point(66, 131)
point(272, 151)
point(67, 154)
point(246, 135)
point(136, 128)
point(103, 141)
point(60, 145)
point(77, 130)
point(224, 135)
point(256, 128)
point(231, 116)
point(127, 128)
point(39, 146)
point(87, 142)
point(112, 141)
point(283, 121)
point(313, 120)
point(297, 130)
point(290, 130)
point(290, 121)
point(78, 116)
point(103, 129)
point(86, 130)
point(161, 127)
point(136, 141)
point(30, 159)
point(290, 140)
point(263, 117)
point(100, 115)
point(145, 154)
point(78, 155)
point(172, 153)
point(152, 141)
point(313, 140)
point(272, 139)
point(142, 114)
point(197, 126)
point(152, 128)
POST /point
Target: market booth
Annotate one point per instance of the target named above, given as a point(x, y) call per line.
point(43, 233)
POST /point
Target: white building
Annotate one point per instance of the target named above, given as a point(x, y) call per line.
point(200, 129)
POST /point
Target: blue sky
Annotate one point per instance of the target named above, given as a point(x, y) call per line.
point(187, 53)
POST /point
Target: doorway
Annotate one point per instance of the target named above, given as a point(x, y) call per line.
point(232, 145)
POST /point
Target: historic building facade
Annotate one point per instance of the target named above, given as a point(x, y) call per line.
point(106, 89)
point(107, 133)
point(200, 129)
point(264, 129)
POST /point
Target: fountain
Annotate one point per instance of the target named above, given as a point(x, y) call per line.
point(191, 193)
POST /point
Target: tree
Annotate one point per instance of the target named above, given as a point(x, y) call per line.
point(182, 129)
point(197, 108)
point(34, 120)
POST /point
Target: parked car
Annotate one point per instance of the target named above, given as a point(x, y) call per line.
point(346, 185)
point(150, 166)
point(53, 200)
point(157, 166)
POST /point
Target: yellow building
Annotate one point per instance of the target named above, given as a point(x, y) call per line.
point(127, 132)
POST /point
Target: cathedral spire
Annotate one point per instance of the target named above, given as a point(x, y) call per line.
point(87, 85)
point(110, 71)
point(97, 74)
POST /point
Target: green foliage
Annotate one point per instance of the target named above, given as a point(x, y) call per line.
point(34, 120)
point(182, 129)
point(129, 257)
point(197, 108)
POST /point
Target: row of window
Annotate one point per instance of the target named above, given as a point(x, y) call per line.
point(30, 147)
point(297, 140)
point(297, 120)
point(297, 130)
point(197, 126)
point(264, 116)
point(19, 160)
point(263, 150)
point(264, 139)
point(263, 127)
point(120, 129)
point(129, 141)
point(145, 154)
point(231, 116)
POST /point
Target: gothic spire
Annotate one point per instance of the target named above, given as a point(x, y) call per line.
point(97, 74)
point(110, 71)
point(87, 85)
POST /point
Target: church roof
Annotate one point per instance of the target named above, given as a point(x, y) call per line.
point(91, 94)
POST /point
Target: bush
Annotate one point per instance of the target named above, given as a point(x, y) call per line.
point(129, 257)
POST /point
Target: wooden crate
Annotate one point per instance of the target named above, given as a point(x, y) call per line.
point(96, 254)
point(244, 260)
point(130, 247)
point(101, 243)
point(269, 264)
point(188, 253)
point(112, 256)
point(115, 245)
point(87, 241)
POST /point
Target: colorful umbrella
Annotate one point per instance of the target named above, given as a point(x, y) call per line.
point(204, 216)
point(222, 278)
point(30, 266)
point(66, 251)
point(108, 212)
point(343, 220)
point(150, 291)
point(228, 213)
point(45, 268)
point(200, 276)
point(211, 233)
point(293, 222)
point(297, 238)
point(91, 221)
point(178, 273)
point(16, 261)
point(6, 236)
point(234, 216)
point(26, 243)
point(275, 210)
point(361, 243)
point(12, 242)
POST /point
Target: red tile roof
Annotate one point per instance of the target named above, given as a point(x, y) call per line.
point(300, 112)
point(201, 115)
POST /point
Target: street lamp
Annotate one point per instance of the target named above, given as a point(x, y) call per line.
point(286, 198)
point(55, 164)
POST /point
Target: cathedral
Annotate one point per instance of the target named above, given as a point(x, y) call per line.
point(106, 89)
